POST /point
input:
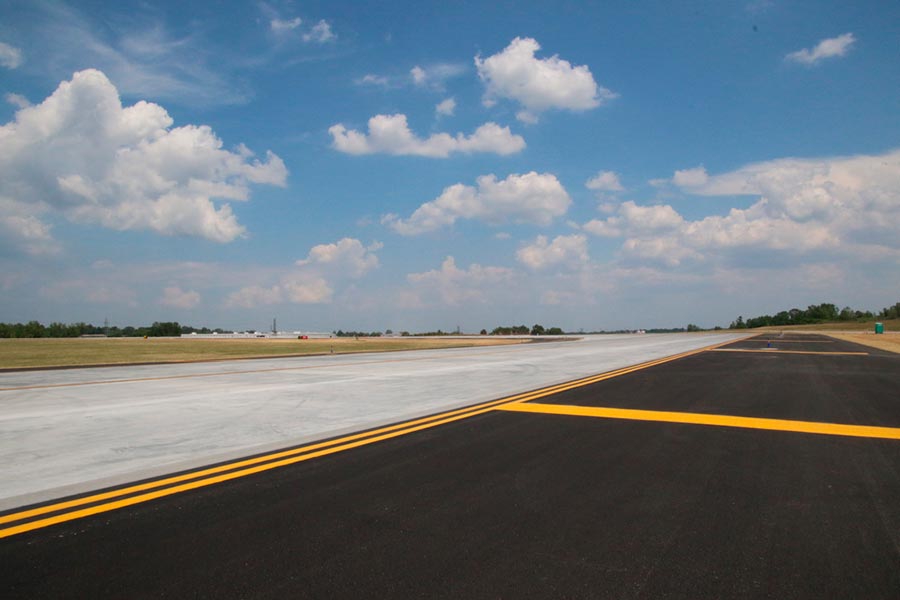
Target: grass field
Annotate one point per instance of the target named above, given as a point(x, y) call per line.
point(46, 352)
point(843, 326)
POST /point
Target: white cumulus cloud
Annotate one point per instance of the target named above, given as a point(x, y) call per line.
point(453, 286)
point(312, 280)
point(82, 155)
point(435, 76)
point(529, 198)
point(446, 107)
point(283, 25)
point(689, 178)
point(10, 56)
point(17, 100)
point(538, 84)
point(320, 33)
point(348, 255)
point(565, 250)
point(390, 134)
point(807, 210)
point(631, 219)
point(604, 181)
point(827, 48)
point(175, 297)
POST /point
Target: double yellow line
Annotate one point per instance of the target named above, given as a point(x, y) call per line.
point(69, 510)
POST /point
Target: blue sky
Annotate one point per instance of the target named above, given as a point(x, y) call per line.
point(420, 166)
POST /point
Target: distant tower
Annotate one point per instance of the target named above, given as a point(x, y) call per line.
point(274, 326)
point(106, 326)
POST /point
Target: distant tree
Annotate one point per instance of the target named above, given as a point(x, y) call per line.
point(33, 329)
point(484, 332)
point(537, 330)
point(165, 329)
point(555, 331)
point(692, 327)
point(738, 324)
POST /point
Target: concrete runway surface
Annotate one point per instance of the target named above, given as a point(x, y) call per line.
point(69, 431)
point(768, 468)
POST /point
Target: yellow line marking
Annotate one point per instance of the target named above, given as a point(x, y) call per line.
point(781, 341)
point(776, 351)
point(246, 467)
point(866, 431)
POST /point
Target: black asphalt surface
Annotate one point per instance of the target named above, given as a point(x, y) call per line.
point(514, 505)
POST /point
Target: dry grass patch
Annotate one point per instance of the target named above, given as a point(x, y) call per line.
point(841, 327)
point(887, 341)
point(23, 353)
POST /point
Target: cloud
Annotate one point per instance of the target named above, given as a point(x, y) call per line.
point(320, 33)
point(312, 280)
point(22, 232)
point(371, 79)
point(175, 297)
point(691, 177)
point(808, 210)
point(10, 56)
point(390, 134)
point(604, 181)
point(827, 48)
point(453, 286)
point(538, 84)
point(17, 100)
point(633, 219)
point(347, 255)
point(529, 198)
point(446, 107)
point(253, 295)
point(435, 76)
point(82, 155)
point(140, 55)
point(565, 250)
point(284, 25)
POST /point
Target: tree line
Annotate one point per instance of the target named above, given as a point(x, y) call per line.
point(815, 313)
point(538, 329)
point(34, 329)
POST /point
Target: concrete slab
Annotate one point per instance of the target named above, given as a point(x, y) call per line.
point(65, 432)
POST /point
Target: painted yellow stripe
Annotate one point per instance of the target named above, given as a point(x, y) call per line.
point(226, 472)
point(781, 341)
point(776, 351)
point(293, 452)
point(866, 431)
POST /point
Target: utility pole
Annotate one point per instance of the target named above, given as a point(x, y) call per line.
point(274, 326)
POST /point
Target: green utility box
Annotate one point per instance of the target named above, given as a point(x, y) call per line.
point(879, 327)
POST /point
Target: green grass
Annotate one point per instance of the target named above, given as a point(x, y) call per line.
point(46, 352)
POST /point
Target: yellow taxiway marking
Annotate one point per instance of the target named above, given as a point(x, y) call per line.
point(781, 341)
point(867, 431)
point(776, 351)
point(112, 500)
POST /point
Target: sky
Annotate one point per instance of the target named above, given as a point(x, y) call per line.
point(415, 165)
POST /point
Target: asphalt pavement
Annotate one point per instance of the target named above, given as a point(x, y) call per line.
point(497, 502)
